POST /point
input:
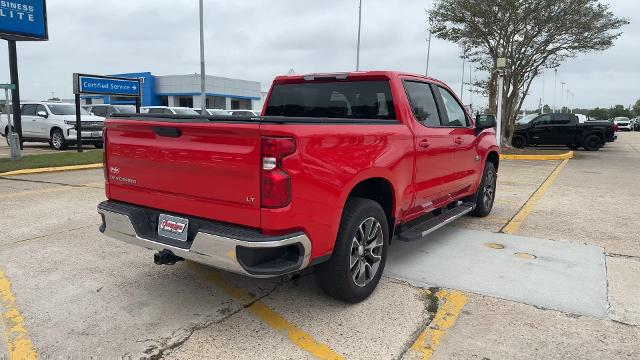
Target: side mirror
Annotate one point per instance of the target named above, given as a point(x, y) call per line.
point(485, 121)
point(42, 114)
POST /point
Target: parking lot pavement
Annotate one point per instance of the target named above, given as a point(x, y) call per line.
point(81, 294)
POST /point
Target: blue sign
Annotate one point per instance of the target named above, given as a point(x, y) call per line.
point(107, 86)
point(23, 19)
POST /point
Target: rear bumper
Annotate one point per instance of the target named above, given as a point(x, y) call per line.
point(240, 250)
point(87, 135)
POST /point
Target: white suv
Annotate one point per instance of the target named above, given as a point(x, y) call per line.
point(55, 123)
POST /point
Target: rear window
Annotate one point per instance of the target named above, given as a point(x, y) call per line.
point(344, 100)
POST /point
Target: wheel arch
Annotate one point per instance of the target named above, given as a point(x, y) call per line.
point(55, 127)
point(380, 190)
point(494, 158)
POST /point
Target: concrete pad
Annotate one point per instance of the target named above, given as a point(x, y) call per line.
point(380, 327)
point(84, 295)
point(623, 274)
point(564, 276)
point(490, 328)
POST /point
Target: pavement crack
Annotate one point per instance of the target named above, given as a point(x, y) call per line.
point(430, 310)
point(51, 234)
point(163, 347)
point(42, 182)
point(633, 257)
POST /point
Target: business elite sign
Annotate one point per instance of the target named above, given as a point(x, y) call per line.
point(23, 20)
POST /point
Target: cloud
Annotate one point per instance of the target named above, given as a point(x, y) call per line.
point(259, 39)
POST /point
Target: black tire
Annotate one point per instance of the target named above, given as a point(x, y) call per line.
point(592, 143)
point(573, 146)
point(486, 193)
point(6, 134)
point(98, 145)
point(518, 141)
point(57, 140)
point(339, 276)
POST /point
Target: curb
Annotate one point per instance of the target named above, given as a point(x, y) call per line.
point(565, 156)
point(52, 169)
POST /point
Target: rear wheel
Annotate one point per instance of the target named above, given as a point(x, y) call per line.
point(359, 254)
point(98, 145)
point(592, 143)
point(485, 195)
point(518, 141)
point(57, 140)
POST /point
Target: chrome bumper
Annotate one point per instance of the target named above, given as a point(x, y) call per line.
point(209, 249)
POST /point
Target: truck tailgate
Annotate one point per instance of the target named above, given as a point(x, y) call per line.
point(204, 169)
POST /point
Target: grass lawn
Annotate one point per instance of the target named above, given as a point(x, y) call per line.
point(51, 160)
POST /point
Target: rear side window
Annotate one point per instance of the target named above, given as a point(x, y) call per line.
point(100, 111)
point(423, 103)
point(347, 100)
point(29, 109)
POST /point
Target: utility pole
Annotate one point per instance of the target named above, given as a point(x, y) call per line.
point(359, 28)
point(501, 64)
point(470, 92)
point(203, 94)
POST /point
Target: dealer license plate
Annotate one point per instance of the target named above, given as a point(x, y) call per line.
point(173, 227)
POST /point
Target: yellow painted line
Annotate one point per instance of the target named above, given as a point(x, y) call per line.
point(51, 169)
point(514, 225)
point(566, 156)
point(296, 335)
point(446, 316)
point(15, 332)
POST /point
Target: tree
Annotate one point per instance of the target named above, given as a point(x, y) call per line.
point(599, 113)
point(546, 109)
point(636, 108)
point(532, 34)
point(619, 110)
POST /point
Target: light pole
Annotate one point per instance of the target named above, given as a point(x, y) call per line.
point(555, 88)
point(462, 81)
point(203, 94)
point(426, 73)
point(359, 28)
point(501, 63)
point(562, 95)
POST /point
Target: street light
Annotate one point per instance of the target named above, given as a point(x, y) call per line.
point(203, 95)
point(555, 88)
point(562, 95)
point(359, 28)
point(426, 73)
point(501, 63)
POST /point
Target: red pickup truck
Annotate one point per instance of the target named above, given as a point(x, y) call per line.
point(337, 168)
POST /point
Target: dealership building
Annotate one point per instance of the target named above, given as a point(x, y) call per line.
point(184, 91)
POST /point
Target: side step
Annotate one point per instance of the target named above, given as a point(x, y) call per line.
point(423, 228)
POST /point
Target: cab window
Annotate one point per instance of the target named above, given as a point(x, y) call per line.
point(423, 103)
point(455, 114)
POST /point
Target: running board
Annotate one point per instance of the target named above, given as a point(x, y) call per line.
point(424, 228)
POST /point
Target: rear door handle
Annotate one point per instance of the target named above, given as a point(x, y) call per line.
point(424, 144)
point(458, 140)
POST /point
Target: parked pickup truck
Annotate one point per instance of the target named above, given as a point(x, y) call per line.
point(337, 168)
point(563, 129)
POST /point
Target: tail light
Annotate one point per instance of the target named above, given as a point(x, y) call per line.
point(105, 167)
point(276, 183)
point(616, 127)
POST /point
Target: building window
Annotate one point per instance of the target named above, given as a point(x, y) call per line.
point(243, 104)
point(185, 101)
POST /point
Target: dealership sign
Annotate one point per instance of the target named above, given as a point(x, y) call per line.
point(106, 85)
point(23, 20)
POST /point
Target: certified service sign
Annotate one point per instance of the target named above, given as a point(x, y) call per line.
point(23, 20)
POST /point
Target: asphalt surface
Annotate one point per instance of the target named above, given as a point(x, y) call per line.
point(79, 294)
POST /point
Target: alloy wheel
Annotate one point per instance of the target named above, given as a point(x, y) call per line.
point(489, 189)
point(366, 251)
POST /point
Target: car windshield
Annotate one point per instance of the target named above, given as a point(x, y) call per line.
point(185, 111)
point(65, 109)
point(527, 119)
point(124, 108)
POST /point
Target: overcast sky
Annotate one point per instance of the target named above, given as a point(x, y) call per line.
point(257, 40)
